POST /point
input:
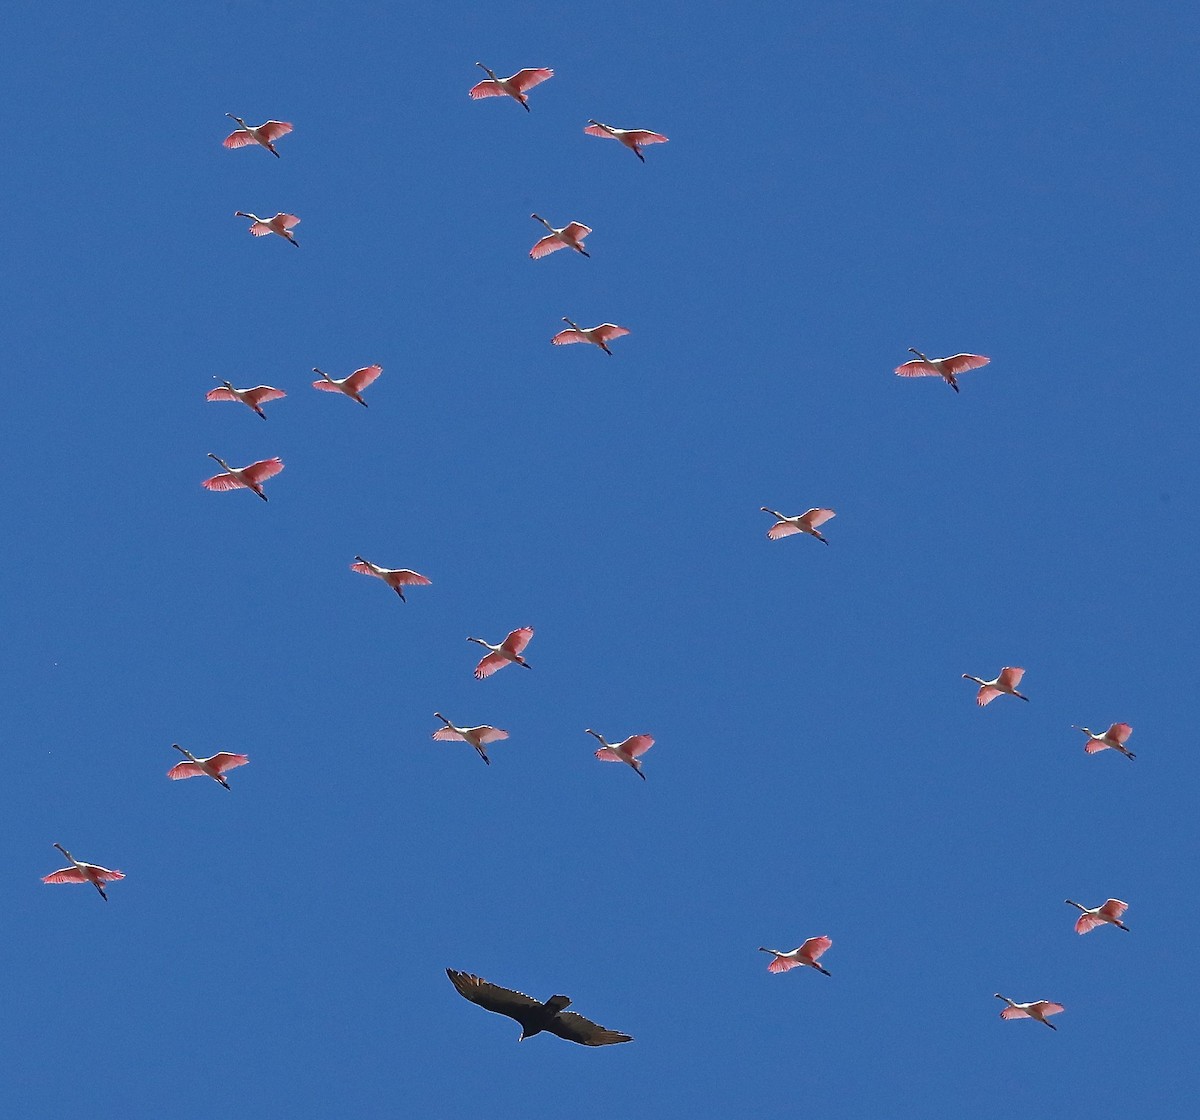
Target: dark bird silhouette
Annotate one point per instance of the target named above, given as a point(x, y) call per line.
point(533, 1015)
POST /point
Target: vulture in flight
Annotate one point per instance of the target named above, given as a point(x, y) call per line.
point(533, 1015)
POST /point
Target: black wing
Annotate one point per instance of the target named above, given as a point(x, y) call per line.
point(491, 997)
point(575, 1028)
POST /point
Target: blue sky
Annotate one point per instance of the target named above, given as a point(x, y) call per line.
point(842, 182)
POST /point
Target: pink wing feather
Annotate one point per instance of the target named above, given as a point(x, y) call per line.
point(527, 79)
point(917, 368)
point(184, 770)
point(492, 735)
point(1046, 1007)
point(221, 394)
point(489, 665)
point(66, 875)
point(1010, 677)
point(1086, 923)
point(596, 130)
point(486, 88)
point(261, 229)
point(224, 760)
point(273, 130)
point(263, 469)
point(782, 529)
point(1014, 1013)
point(641, 136)
point(815, 946)
point(565, 338)
point(238, 139)
point(960, 363)
point(327, 386)
point(815, 518)
point(986, 695)
point(1120, 732)
point(409, 579)
point(547, 245)
point(576, 230)
point(262, 393)
point(221, 482)
point(361, 378)
point(287, 220)
point(518, 639)
point(606, 332)
point(782, 964)
point(637, 745)
point(606, 755)
point(1114, 907)
point(1095, 746)
point(446, 735)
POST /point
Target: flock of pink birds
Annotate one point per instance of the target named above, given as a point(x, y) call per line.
point(511, 650)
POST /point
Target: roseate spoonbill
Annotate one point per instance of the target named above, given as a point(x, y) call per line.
point(508, 650)
point(632, 138)
point(1039, 1010)
point(264, 134)
point(597, 336)
point(478, 737)
point(395, 578)
point(807, 522)
point(1113, 739)
point(569, 237)
point(534, 1016)
point(213, 767)
point(513, 87)
point(352, 385)
point(252, 398)
point(80, 872)
point(947, 369)
point(1006, 684)
point(628, 751)
point(1107, 914)
point(251, 477)
point(280, 224)
point(807, 954)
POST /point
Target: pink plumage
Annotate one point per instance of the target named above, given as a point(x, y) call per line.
point(517, 640)
point(783, 529)
point(488, 665)
point(1120, 732)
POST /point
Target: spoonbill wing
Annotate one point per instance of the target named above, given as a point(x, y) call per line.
point(447, 735)
point(960, 363)
point(815, 518)
point(576, 230)
point(527, 79)
point(606, 332)
point(1086, 923)
point(66, 875)
point(184, 770)
point(1095, 746)
point(917, 368)
point(287, 220)
point(239, 138)
point(491, 734)
point(328, 386)
point(1010, 677)
point(273, 130)
point(783, 964)
point(1015, 1013)
point(604, 754)
point(637, 745)
point(1120, 732)
point(547, 245)
point(261, 393)
point(225, 760)
point(222, 482)
point(986, 695)
point(641, 136)
point(487, 88)
point(263, 469)
point(221, 394)
point(1114, 907)
point(489, 665)
point(517, 640)
point(782, 529)
point(565, 338)
point(815, 946)
point(361, 378)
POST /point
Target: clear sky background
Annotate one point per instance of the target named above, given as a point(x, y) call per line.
point(843, 181)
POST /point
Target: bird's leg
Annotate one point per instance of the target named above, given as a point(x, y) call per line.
point(525, 104)
point(1021, 696)
point(260, 494)
point(639, 155)
point(101, 890)
point(604, 347)
point(1050, 1024)
point(260, 412)
point(823, 971)
point(222, 781)
point(953, 383)
point(400, 593)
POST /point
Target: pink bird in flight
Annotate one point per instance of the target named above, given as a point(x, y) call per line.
point(1039, 1010)
point(598, 336)
point(80, 872)
point(808, 522)
point(1004, 685)
point(1109, 913)
point(569, 237)
point(212, 767)
point(478, 737)
point(633, 138)
point(1113, 739)
point(280, 224)
point(947, 369)
point(507, 651)
point(251, 398)
point(628, 751)
point(514, 87)
point(251, 477)
point(396, 578)
point(351, 385)
point(263, 134)
point(808, 954)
